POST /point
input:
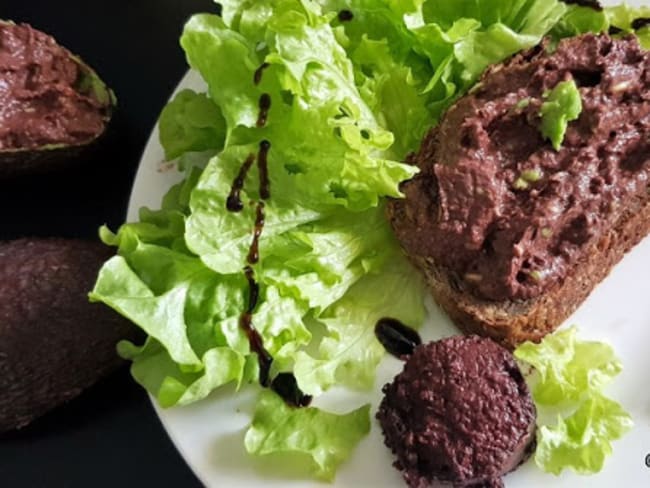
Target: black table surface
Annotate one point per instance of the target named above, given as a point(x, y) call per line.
point(110, 436)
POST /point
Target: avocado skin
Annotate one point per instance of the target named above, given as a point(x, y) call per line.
point(37, 161)
point(54, 343)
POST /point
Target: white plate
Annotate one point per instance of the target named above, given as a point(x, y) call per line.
point(210, 434)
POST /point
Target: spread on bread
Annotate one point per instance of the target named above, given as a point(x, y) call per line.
point(502, 217)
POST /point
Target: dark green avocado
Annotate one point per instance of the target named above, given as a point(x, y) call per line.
point(54, 343)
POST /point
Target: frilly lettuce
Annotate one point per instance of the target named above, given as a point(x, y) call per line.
point(349, 352)
point(324, 439)
point(567, 383)
point(191, 122)
point(582, 441)
point(349, 101)
point(567, 368)
point(617, 19)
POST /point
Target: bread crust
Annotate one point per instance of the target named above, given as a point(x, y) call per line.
point(513, 322)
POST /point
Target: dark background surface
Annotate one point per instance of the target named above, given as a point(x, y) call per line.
point(110, 436)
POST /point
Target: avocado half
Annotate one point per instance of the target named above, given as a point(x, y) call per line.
point(42, 156)
point(54, 343)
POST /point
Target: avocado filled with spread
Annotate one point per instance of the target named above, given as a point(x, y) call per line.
point(51, 103)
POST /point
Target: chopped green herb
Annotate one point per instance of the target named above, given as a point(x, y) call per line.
point(531, 175)
point(563, 104)
point(520, 184)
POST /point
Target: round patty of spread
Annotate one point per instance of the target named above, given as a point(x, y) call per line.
point(500, 208)
point(459, 413)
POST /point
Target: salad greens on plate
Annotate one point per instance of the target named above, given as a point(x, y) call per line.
point(576, 421)
point(352, 87)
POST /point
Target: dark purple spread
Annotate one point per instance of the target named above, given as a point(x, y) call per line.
point(459, 413)
point(40, 99)
point(468, 210)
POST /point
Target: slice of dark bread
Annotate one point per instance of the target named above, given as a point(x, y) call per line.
point(511, 233)
point(513, 322)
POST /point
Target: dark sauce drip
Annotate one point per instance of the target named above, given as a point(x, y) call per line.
point(234, 203)
point(593, 4)
point(613, 30)
point(263, 168)
point(345, 16)
point(255, 341)
point(219, 9)
point(265, 106)
point(253, 290)
point(286, 386)
point(398, 339)
point(257, 76)
point(640, 23)
point(254, 249)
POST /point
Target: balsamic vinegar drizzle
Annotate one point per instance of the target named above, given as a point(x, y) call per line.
point(234, 203)
point(265, 106)
point(640, 23)
point(219, 9)
point(263, 168)
point(398, 339)
point(284, 384)
point(594, 4)
point(254, 338)
point(254, 249)
point(257, 76)
point(613, 30)
point(345, 16)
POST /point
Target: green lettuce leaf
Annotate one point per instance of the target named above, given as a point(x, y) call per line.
point(413, 59)
point(323, 439)
point(349, 353)
point(171, 384)
point(563, 104)
point(391, 77)
point(463, 38)
point(161, 317)
point(321, 130)
point(569, 376)
point(566, 369)
point(622, 17)
point(191, 122)
point(318, 262)
point(582, 441)
point(580, 20)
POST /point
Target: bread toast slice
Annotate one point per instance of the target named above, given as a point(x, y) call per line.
point(512, 234)
point(513, 322)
